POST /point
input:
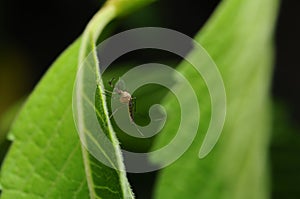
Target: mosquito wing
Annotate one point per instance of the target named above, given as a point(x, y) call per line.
point(120, 85)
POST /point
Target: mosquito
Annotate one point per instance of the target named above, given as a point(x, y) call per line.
point(125, 98)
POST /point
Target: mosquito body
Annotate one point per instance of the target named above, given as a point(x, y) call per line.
point(125, 98)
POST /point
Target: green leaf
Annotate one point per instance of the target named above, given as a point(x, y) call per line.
point(46, 159)
point(239, 39)
point(6, 121)
point(86, 102)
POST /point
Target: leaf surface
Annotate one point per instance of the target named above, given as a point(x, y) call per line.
point(239, 39)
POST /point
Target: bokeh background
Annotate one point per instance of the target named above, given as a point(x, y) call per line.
point(33, 33)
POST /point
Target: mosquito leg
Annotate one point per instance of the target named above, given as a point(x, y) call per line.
point(140, 132)
point(107, 94)
point(110, 95)
point(107, 91)
point(123, 105)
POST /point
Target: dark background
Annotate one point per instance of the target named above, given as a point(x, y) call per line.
point(34, 33)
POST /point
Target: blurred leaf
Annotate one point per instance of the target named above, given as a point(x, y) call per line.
point(239, 38)
point(45, 160)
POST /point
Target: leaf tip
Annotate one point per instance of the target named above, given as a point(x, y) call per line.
point(11, 136)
